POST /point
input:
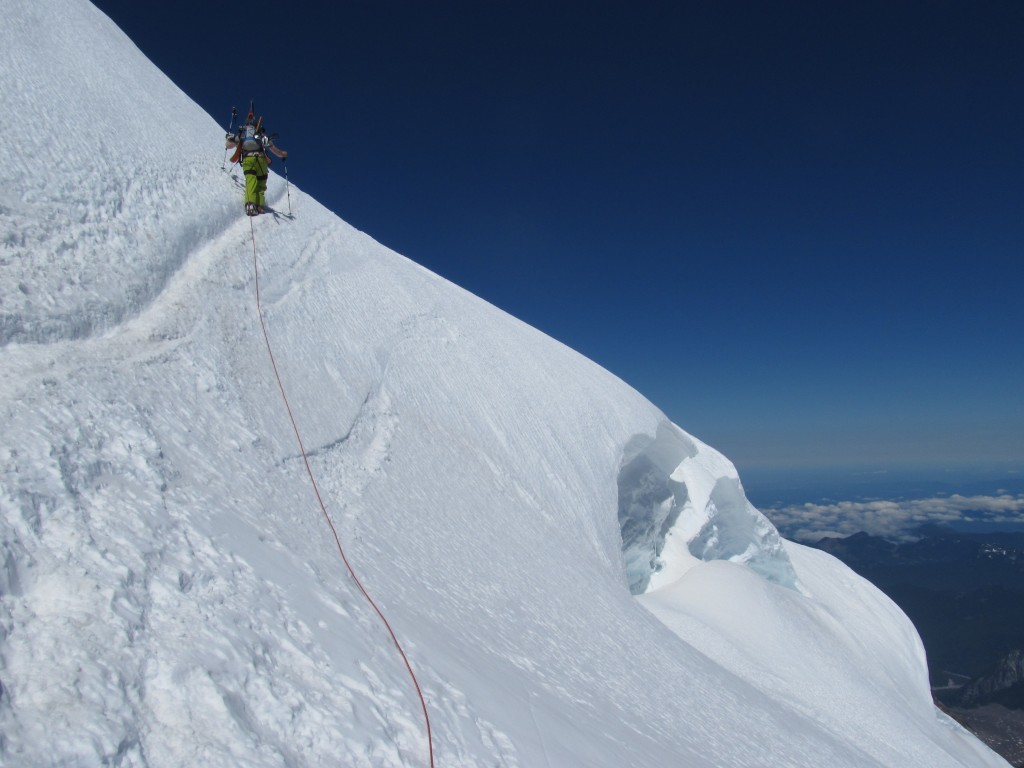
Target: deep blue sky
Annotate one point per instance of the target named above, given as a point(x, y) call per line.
point(797, 227)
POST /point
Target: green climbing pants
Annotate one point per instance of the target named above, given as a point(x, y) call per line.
point(255, 169)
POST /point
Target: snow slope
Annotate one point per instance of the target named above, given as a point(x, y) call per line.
point(170, 593)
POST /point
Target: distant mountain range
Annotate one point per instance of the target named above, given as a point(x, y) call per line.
point(1004, 685)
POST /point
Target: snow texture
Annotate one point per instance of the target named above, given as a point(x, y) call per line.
point(170, 593)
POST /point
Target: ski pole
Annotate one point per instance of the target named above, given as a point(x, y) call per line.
point(231, 128)
point(287, 187)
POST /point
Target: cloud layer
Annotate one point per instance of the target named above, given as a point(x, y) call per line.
point(892, 519)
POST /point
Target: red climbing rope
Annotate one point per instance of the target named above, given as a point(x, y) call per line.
point(323, 507)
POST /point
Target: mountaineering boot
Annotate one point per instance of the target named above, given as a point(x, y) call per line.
point(251, 209)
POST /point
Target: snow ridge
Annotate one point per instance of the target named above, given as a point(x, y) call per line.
point(169, 594)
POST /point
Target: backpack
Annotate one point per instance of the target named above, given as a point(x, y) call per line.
point(250, 138)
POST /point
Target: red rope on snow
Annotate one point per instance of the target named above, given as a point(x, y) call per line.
point(323, 507)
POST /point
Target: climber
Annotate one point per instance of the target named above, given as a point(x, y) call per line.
point(251, 145)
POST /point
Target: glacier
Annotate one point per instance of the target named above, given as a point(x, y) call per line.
point(576, 580)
